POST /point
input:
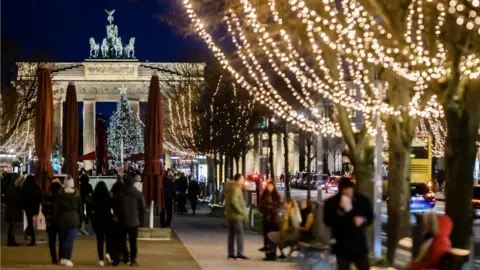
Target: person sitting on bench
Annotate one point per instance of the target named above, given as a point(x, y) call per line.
point(306, 226)
point(289, 233)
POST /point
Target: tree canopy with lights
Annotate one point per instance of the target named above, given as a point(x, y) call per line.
point(408, 59)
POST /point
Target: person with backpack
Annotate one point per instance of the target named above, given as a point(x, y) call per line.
point(53, 230)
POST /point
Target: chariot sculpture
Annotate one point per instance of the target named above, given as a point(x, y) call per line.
point(112, 46)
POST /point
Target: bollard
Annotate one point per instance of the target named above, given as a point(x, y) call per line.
point(150, 221)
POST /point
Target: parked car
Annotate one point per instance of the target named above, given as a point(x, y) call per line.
point(476, 202)
point(332, 184)
point(324, 181)
point(296, 181)
point(313, 181)
point(421, 198)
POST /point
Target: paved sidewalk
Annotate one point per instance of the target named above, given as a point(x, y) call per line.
point(206, 239)
point(152, 255)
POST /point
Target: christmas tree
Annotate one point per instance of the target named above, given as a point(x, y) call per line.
point(125, 124)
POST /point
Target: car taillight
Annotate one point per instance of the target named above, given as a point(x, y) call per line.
point(475, 201)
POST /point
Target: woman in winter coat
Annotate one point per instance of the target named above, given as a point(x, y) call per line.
point(269, 205)
point(289, 232)
point(436, 242)
point(13, 210)
point(67, 213)
point(53, 230)
point(118, 245)
point(31, 200)
point(102, 220)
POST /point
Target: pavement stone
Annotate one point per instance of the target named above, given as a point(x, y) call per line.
point(152, 255)
point(206, 239)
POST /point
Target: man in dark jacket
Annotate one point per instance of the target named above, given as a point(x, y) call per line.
point(132, 215)
point(13, 210)
point(193, 192)
point(348, 214)
point(168, 195)
point(31, 199)
point(53, 230)
point(86, 191)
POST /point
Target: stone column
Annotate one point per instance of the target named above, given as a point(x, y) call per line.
point(58, 123)
point(88, 129)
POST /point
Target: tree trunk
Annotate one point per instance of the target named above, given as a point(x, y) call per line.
point(301, 151)
point(309, 161)
point(244, 163)
point(460, 153)
point(399, 195)
point(285, 146)
point(215, 180)
point(270, 152)
point(237, 164)
point(220, 177)
point(364, 173)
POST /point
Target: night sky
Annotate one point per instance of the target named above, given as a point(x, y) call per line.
point(62, 28)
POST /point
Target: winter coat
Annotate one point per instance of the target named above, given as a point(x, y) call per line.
point(439, 246)
point(31, 197)
point(13, 202)
point(269, 209)
point(168, 188)
point(193, 190)
point(101, 215)
point(86, 191)
point(130, 207)
point(68, 209)
point(235, 209)
point(48, 205)
point(181, 185)
point(350, 240)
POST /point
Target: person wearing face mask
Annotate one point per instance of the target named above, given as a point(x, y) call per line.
point(348, 213)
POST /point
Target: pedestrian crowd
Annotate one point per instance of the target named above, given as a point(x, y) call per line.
point(115, 216)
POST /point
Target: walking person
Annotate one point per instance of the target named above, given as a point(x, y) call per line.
point(53, 230)
point(133, 212)
point(289, 232)
point(13, 207)
point(269, 205)
point(102, 221)
point(118, 241)
point(67, 213)
point(86, 190)
point(347, 214)
point(168, 195)
point(236, 214)
point(31, 200)
point(193, 193)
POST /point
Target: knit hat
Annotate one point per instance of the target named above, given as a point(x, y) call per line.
point(68, 183)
